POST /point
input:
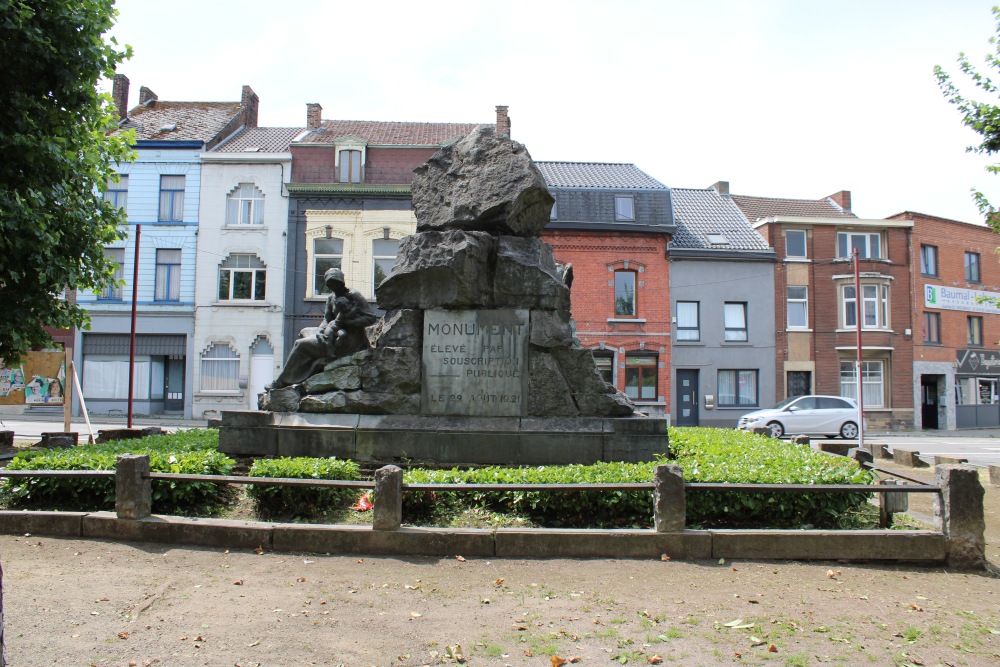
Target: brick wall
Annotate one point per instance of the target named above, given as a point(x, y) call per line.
point(393, 166)
point(591, 253)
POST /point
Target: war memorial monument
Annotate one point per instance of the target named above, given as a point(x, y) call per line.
point(475, 360)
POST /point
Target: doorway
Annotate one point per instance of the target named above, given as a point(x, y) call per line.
point(173, 400)
point(261, 369)
point(687, 397)
point(929, 402)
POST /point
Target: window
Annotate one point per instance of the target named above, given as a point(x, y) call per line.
point(350, 166)
point(928, 260)
point(798, 307)
point(688, 327)
point(220, 368)
point(624, 208)
point(932, 328)
point(972, 267)
point(799, 383)
point(869, 245)
point(640, 377)
point(384, 252)
point(171, 198)
point(242, 277)
point(246, 206)
point(795, 243)
point(605, 362)
point(737, 389)
point(327, 254)
point(625, 305)
point(871, 382)
point(116, 255)
point(168, 274)
point(735, 315)
point(117, 193)
point(874, 307)
point(554, 213)
point(977, 391)
point(975, 330)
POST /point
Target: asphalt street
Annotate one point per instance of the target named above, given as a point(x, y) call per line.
point(980, 446)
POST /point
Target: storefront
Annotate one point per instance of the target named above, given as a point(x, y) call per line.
point(977, 389)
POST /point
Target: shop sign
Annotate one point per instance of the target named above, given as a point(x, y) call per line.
point(955, 298)
point(978, 362)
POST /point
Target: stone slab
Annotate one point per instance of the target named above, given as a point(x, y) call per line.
point(552, 543)
point(907, 457)
point(63, 524)
point(994, 475)
point(830, 545)
point(475, 362)
point(179, 530)
point(363, 540)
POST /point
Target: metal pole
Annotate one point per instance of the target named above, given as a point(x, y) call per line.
point(131, 340)
point(858, 309)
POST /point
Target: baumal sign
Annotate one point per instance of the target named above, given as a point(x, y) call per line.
point(474, 362)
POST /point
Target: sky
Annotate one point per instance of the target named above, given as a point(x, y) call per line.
point(780, 98)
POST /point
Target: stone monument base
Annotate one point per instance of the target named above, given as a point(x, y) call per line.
point(443, 440)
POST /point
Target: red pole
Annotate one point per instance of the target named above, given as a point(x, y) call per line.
point(131, 340)
point(858, 309)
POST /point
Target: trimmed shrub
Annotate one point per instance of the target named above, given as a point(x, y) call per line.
point(706, 455)
point(298, 501)
point(189, 452)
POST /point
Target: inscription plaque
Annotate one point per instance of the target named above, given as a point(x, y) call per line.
point(474, 362)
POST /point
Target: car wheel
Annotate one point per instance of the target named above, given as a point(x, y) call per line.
point(849, 431)
point(777, 430)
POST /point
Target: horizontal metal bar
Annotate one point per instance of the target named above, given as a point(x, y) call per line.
point(812, 488)
point(892, 473)
point(262, 481)
point(636, 486)
point(56, 473)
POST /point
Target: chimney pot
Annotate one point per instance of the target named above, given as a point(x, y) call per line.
point(503, 122)
point(119, 91)
point(314, 116)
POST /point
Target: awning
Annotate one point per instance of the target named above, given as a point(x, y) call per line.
point(173, 346)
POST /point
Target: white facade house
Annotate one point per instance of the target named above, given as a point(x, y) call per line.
point(241, 273)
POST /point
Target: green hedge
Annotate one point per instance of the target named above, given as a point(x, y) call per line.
point(706, 455)
point(270, 501)
point(188, 452)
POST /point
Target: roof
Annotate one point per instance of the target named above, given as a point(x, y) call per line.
point(755, 208)
point(597, 175)
point(197, 121)
point(707, 220)
point(263, 139)
point(390, 133)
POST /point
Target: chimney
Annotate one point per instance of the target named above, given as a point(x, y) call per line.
point(248, 104)
point(119, 92)
point(146, 96)
point(314, 116)
point(842, 199)
point(503, 122)
point(722, 187)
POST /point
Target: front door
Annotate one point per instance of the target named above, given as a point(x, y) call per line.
point(929, 402)
point(173, 396)
point(687, 397)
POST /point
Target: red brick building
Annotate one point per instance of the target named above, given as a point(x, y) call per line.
point(956, 368)
point(816, 332)
point(613, 222)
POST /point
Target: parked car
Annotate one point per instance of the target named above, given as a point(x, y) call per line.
point(811, 415)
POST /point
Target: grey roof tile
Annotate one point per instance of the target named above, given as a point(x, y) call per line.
point(755, 208)
point(619, 176)
point(700, 215)
point(194, 121)
point(390, 133)
point(264, 139)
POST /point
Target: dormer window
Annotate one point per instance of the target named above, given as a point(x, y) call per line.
point(350, 166)
point(624, 208)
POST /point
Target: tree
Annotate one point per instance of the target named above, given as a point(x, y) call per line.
point(982, 117)
point(57, 152)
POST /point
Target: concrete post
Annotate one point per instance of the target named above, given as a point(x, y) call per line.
point(6, 439)
point(961, 512)
point(388, 510)
point(862, 456)
point(669, 502)
point(994, 475)
point(133, 493)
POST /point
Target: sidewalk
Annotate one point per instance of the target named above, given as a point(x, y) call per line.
point(29, 427)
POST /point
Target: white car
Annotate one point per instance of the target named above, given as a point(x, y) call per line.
point(811, 415)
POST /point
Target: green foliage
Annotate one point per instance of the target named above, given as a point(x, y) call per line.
point(981, 117)
point(706, 455)
point(57, 150)
point(189, 452)
point(298, 501)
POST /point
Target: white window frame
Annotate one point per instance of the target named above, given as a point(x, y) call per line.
point(318, 288)
point(354, 172)
point(220, 356)
point(805, 247)
point(242, 263)
point(383, 257)
point(245, 206)
point(872, 382)
point(734, 315)
point(800, 302)
point(876, 305)
point(846, 243)
point(625, 208)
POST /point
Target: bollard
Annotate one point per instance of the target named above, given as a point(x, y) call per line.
point(907, 457)
point(133, 492)
point(669, 503)
point(388, 509)
point(6, 439)
point(961, 513)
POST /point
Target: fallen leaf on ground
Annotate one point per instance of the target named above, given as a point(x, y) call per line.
point(499, 582)
point(664, 557)
point(238, 582)
point(123, 635)
point(654, 659)
point(772, 649)
point(557, 661)
point(258, 551)
point(459, 559)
